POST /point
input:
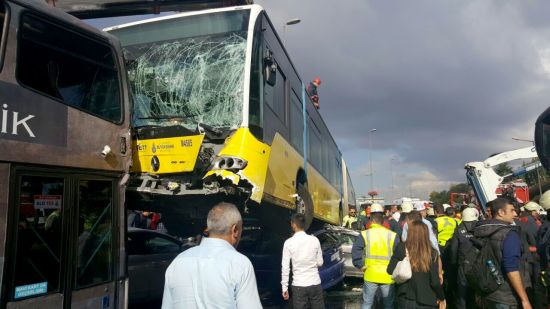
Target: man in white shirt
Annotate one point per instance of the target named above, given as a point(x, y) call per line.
point(213, 274)
point(304, 251)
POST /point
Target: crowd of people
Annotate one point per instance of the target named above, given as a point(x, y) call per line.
point(415, 255)
point(458, 258)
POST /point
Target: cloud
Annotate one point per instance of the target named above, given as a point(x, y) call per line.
point(444, 83)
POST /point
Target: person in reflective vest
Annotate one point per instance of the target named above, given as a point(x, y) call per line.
point(350, 218)
point(371, 253)
point(445, 227)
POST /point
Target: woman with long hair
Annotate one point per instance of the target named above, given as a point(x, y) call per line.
point(424, 289)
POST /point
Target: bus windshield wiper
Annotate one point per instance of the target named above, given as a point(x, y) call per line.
point(162, 117)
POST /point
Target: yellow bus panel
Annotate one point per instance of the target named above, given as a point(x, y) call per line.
point(282, 170)
point(326, 199)
point(174, 154)
point(244, 145)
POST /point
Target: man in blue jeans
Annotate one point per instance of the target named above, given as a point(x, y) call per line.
point(371, 253)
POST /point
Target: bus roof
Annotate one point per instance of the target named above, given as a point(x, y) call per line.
point(85, 9)
point(179, 15)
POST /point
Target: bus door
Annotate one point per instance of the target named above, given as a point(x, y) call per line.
point(62, 243)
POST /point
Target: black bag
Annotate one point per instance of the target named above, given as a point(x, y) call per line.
point(477, 272)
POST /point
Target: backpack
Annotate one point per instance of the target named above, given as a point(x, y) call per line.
point(543, 243)
point(475, 267)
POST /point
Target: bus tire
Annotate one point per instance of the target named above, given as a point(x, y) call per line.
point(304, 204)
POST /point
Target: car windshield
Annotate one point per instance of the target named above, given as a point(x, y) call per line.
point(187, 70)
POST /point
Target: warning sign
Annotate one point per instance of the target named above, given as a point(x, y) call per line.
point(47, 201)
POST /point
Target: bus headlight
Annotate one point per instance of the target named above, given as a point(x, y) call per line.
point(229, 163)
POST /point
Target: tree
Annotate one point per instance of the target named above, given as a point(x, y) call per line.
point(441, 197)
point(503, 169)
point(444, 197)
point(460, 188)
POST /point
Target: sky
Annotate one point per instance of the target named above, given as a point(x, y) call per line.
point(442, 82)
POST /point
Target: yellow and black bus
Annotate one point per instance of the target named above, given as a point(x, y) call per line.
point(66, 151)
point(219, 109)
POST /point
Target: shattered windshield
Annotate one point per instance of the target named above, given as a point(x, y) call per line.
point(187, 71)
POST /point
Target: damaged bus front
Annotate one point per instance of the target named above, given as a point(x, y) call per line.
point(188, 78)
point(219, 110)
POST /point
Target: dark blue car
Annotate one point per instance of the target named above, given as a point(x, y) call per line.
point(264, 249)
point(332, 272)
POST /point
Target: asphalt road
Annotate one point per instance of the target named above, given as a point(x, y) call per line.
point(346, 296)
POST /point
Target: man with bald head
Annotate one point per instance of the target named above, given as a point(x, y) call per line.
point(213, 274)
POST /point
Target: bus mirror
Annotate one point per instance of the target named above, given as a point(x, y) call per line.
point(542, 138)
point(270, 68)
point(271, 74)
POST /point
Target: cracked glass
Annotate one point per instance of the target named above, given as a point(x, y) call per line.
point(187, 71)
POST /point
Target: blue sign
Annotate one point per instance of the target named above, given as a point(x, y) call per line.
point(105, 301)
point(31, 289)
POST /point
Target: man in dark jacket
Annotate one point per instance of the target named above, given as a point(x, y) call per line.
point(460, 244)
point(506, 244)
point(543, 244)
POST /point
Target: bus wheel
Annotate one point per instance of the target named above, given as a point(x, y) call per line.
point(304, 204)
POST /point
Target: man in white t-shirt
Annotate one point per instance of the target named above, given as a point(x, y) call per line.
point(304, 251)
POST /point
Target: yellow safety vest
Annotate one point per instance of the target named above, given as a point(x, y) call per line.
point(445, 228)
point(348, 221)
point(379, 243)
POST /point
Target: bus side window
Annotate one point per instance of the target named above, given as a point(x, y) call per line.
point(275, 96)
point(69, 67)
point(3, 20)
point(95, 233)
point(296, 122)
point(38, 259)
point(255, 122)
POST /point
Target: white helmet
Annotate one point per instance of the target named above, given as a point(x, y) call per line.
point(531, 206)
point(418, 206)
point(470, 214)
point(406, 207)
point(545, 200)
point(376, 208)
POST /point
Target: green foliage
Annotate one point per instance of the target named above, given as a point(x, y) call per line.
point(503, 169)
point(444, 197)
point(531, 176)
point(460, 188)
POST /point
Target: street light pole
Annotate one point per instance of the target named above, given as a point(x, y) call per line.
point(523, 140)
point(391, 171)
point(370, 159)
point(293, 21)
